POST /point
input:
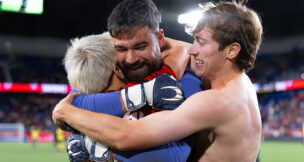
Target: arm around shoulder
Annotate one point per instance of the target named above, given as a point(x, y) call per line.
point(175, 54)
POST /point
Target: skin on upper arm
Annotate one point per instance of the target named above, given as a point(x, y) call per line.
point(175, 54)
point(203, 110)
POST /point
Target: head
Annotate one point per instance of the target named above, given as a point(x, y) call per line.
point(134, 26)
point(235, 29)
point(89, 63)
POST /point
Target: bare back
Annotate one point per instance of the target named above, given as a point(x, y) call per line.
point(238, 138)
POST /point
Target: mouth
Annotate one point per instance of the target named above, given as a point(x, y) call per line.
point(136, 68)
point(199, 62)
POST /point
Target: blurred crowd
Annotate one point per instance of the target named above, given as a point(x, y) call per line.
point(280, 111)
point(278, 67)
point(31, 69)
point(30, 109)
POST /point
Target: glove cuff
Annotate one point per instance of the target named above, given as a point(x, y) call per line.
point(133, 97)
point(149, 89)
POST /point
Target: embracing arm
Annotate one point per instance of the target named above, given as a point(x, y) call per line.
point(198, 112)
point(175, 54)
point(108, 103)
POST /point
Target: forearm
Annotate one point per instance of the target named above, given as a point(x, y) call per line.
point(169, 43)
point(108, 103)
point(113, 131)
point(95, 125)
point(124, 134)
point(119, 133)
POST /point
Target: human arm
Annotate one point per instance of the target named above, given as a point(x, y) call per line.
point(175, 54)
point(204, 110)
point(174, 151)
point(108, 103)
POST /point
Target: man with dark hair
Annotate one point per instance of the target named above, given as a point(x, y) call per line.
point(131, 19)
point(227, 39)
point(134, 26)
point(129, 14)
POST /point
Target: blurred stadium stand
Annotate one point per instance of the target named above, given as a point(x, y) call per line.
point(34, 69)
point(278, 67)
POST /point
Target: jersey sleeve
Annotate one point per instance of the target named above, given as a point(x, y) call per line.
point(108, 103)
point(190, 84)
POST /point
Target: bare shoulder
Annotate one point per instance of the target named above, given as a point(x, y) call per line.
point(209, 108)
point(214, 100)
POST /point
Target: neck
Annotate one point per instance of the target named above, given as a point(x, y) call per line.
point(224, 77)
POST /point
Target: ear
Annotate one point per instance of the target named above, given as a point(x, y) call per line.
point(233, 50)
point(118, 73)
point(161, 37)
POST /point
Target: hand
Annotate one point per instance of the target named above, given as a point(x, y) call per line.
point(163, 92)
point(60, 124)
point(76, 147)
point(61, 108)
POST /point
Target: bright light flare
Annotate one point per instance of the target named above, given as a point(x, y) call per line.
point(190, 18)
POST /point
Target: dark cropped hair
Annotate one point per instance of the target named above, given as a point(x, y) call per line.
point(129, 14)
point(234, 22)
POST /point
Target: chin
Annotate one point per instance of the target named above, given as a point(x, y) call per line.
point(199, 74)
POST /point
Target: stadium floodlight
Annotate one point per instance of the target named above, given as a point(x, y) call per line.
point(22, 6)
point(191, 18)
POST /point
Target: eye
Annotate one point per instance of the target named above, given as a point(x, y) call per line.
point(200, 42)
point(140, 48)
point(121, 49)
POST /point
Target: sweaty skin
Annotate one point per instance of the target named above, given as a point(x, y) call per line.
point(229, 109)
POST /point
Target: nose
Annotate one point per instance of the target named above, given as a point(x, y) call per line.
point(131, 57)
point(192, 50)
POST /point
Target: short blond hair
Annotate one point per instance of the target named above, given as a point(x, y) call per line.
point(89, 63)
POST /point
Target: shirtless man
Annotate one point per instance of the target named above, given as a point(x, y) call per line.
point(227, 38)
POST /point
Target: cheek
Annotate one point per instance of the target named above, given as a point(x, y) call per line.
point(119, 58)
point(148, 53)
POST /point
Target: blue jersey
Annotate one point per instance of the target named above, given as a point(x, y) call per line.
point(109, 103)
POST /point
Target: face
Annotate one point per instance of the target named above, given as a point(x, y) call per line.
point(205, 54)
point(139, 55)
